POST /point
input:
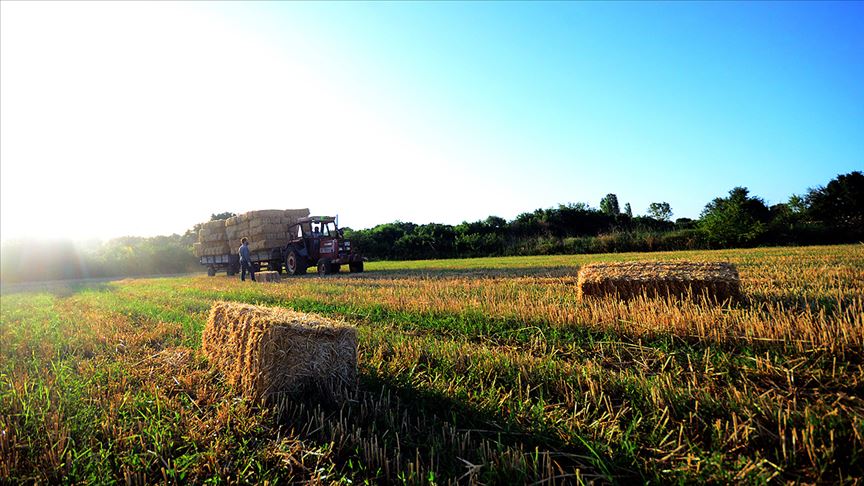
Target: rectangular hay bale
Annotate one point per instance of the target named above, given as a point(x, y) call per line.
point(267, 352)
point(718, 281)
point(267, 276)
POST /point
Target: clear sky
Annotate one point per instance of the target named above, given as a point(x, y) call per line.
point(143, 118)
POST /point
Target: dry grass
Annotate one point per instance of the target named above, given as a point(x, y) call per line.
point(268, 352)
point(714, 281)
point(483, 371)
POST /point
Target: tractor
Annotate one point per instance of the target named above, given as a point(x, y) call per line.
point(317, 241)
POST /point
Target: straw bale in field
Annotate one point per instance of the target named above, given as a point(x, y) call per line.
point(717, 281)
point(268, 276)
point(267, 352)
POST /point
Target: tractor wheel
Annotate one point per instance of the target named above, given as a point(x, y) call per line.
point(295, 264)
point(355, 267)
point(324, 267)
point(211, 272)
point(335, 268)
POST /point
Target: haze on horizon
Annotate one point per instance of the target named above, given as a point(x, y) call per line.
point(143, 118)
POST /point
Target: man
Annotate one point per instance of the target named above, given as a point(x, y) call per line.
point(246, 261)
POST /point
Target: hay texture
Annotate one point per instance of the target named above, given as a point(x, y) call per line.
point(718, 281)
point(268, 276)
point(212, 239)
point(268, 352)
point(265, 229)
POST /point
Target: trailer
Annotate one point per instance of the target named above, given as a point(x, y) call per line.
point(230, 264)
point(315, 242)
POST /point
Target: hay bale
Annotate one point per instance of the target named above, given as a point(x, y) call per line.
point(268, 352)
point(265, 229)
point(718, 281)
point(268, 276)
point(212, 232)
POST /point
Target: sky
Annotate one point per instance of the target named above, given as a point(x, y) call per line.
point(144, 118)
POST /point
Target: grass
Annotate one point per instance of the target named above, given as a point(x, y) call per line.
point(478, 370)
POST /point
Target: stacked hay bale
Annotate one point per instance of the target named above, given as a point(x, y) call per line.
point(268, 352)
point(265, 229)
point(718, 281)
point(212, 239)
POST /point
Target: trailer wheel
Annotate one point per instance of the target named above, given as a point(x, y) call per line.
point(295, 264)
point(324, 267)
point(211, 272)
point(275, 265)
point(355, 267)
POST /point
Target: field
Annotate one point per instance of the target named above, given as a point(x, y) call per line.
point(471, 371)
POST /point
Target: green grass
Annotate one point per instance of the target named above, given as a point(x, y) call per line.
point(476, 370)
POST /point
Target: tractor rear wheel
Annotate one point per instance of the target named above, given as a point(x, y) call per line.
point(355, 267)
point(295, 264)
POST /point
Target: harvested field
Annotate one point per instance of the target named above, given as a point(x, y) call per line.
point(469, 371)
point(716, 281)
point(270, 352)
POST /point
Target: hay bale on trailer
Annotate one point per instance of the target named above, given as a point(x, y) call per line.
point(212, 239)
point(265, 229)
point(269, 352)
point(718, 281)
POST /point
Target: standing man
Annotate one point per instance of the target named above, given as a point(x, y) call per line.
point(246, 261)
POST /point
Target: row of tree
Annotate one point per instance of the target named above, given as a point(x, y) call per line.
point(40, 260)
point(830, 214)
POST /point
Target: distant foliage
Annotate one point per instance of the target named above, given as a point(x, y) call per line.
point(840, 204)
point(661, 211)
point(609, 205)
point(826, 215)
point(220, 216)
point(736, 220)
point(24, 261)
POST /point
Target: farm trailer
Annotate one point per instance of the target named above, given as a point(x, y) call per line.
point(316, 242)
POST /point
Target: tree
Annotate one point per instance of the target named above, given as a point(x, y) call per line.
point(735, 220)
point(225, 215)
point(660, 211)
point(840, 204)
point(628, 210)
point(609, 205)
point(797, 204)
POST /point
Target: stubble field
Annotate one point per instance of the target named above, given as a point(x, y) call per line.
point(471, 371)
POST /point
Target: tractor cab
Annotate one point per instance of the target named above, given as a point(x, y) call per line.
point(318, 241)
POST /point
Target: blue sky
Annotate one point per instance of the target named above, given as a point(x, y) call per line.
point(450, 111)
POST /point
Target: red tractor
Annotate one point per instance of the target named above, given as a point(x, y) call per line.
point(317, 241)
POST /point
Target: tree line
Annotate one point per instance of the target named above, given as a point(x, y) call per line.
point(830, 214)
